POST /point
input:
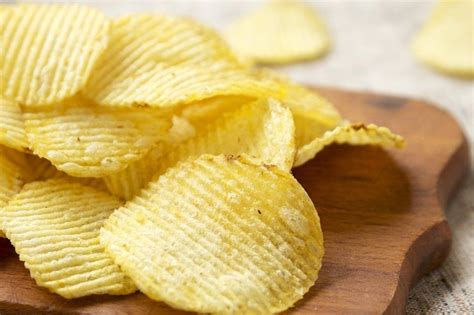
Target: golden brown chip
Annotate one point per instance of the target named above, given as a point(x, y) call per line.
point(162, 61)
point(48, 51)
point(54, 226)
point(279, 32)
point(86, 140)
point(213, 235)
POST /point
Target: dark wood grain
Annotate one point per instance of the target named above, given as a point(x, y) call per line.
point(381, 213)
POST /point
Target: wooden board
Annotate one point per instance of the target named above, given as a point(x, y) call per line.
point(381, 213)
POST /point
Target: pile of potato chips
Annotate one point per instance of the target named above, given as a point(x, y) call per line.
point(140, 153)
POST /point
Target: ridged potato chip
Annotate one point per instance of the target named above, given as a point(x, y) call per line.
point(313, 115)
point(212, 236)
point(262, 129)
point(355, 134)
point(127, 183)
point(181, 130)
point(446, 41)
point(86, 140)
point(40, 169)
point(54, 226)
point(12, 128)
point(49, 51)
point(162, 61)
point(13, 174)
point(205, 112)
point(279, 32)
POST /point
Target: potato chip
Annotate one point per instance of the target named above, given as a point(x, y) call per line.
point(13, 174)
point(205, 112)
point(262, 129)
point(313, 115)
point(355, 134)
point(127, 183)
point(279, 32)
point(54, 227)
point(446, 41)
point(12, 128)
point(213, 236)
point(49, 51)
point(181, 130)
point(163, 61)
point(86, 140)
point(41, 169)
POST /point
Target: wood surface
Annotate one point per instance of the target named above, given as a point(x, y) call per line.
point(381, 213)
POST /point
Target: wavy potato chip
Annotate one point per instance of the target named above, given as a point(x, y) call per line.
point(181, 130)
point(355, 134)
point(207, 111)
point(41, 169)
point(86, 140)
point(127, 183)
point(48, 51)
point(279, 32)
point(13, 174)
point(162, 61)
point(313, 115)
point(262, 129)
point(12, 128)
point(446, 41)
point(54, 227)
point(212, 236)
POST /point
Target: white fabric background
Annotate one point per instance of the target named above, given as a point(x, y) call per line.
point(371, 52)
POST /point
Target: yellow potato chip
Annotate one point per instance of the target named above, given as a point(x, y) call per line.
point(279, 32)
point(12, 128)
point(86, 140)
point(213, 236)
point(205, 112)
point(262, 129)
point(181, 130)
point(355, 134)
point(54, 227)
point(41, 169)
point(446, 41)
point(49, 51)
point(313, 115)
point(163, 61)
point(127, 183)
point(13, 174)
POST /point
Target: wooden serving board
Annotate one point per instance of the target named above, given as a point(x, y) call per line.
point(381, 212)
